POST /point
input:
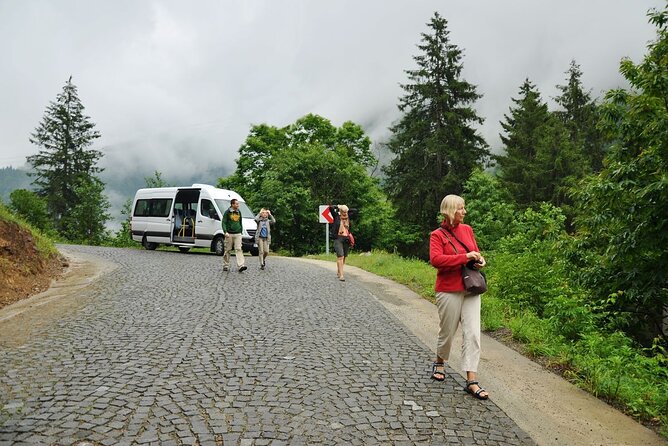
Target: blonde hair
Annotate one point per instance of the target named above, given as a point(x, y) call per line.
point(343, 208)
point(449, 207)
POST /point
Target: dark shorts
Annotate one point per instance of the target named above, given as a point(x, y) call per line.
point(341, 246)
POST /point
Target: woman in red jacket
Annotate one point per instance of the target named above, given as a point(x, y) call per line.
point(448, 253)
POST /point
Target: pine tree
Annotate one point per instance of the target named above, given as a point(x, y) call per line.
point(540, 162)
point(435, 144)
point(64, 159)
point(580, 115)
point(519, 172)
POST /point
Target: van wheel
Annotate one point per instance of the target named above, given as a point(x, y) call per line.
point(148, 245)
point(255, 251)
point(218, 245)
point(184, 249)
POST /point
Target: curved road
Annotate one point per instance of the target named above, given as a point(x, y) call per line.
point(165, 348)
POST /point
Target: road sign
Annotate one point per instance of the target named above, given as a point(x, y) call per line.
point(324, 214)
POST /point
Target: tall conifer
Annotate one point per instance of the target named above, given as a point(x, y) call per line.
point(580, 115)
point(435, 143)
point(64, 160)
point(519, 172)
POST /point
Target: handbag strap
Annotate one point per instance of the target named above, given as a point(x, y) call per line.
point(446, 236)
point(460, 242)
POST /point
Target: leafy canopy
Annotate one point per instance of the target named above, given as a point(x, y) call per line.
point(294, 169)
point(623, 224)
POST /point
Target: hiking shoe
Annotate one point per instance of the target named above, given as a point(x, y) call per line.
point(226, 268)
point(243, 268)
point(261, 266)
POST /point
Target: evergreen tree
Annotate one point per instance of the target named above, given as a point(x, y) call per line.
point(64, 160)
point(524, 127)
point(435, 144)
point(540, 161)
point(580, 115)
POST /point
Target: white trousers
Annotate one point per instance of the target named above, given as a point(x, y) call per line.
point(454, 309)
point(233, 239)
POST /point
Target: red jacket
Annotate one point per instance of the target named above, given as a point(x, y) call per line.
point(446, 260)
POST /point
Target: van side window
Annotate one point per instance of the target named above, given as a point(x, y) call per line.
point(154, 207)
point(141, 208)
point(160, 207)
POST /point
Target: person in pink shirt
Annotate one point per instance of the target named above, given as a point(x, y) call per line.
point(448, 246)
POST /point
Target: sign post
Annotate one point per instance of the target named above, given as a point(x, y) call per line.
point(325, 216)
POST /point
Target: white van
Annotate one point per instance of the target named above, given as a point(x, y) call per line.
point(187, 217)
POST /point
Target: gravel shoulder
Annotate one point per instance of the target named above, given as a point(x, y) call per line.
point(547, 407)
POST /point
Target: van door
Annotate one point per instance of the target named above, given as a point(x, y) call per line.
point(184, 225)
point(208, 221)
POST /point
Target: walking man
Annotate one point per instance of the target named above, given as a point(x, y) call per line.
point(232, 228)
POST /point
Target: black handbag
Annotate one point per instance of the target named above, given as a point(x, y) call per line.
point(474, 279)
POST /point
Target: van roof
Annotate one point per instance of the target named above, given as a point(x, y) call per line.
point(214, 192)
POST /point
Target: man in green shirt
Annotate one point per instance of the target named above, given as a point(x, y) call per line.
point(233, 227)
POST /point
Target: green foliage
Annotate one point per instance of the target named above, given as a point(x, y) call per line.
point(535, 228)
point(85, 222)
point(435, 142)
point(493, 312)
point(610, 366)
point(32, 208)
point(540, 160)
point(295, 169)
point(64, 160)
point(489, 209)
point(580, 114)
point(518, 173)
point(43, 243)
point(623, 218)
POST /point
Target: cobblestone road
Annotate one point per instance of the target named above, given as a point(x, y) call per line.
point(172, 351)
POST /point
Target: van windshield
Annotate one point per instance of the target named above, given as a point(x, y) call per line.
point(223, 205)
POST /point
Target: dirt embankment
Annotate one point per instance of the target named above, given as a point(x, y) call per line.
point(24, 271)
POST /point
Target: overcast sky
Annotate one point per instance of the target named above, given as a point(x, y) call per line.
point(173, 85)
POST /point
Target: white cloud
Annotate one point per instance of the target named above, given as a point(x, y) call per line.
point(166, 79)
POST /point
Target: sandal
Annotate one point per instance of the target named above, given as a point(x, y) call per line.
point(438, 375)
point(477, 392)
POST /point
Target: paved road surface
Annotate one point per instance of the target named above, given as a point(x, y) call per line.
point(168, 349)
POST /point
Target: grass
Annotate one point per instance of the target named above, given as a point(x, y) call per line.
point(416, 274)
